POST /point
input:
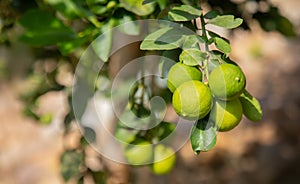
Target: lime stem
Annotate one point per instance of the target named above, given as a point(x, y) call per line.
point(204, 35)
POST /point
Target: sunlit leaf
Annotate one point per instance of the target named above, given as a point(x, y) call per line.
point(192, 41)
point(222, 45)
point(251, 106)
point(137, 7)
point(203, 136)
point(167, 38)
point(184, 13)
point(192, 57)
point(226, 21)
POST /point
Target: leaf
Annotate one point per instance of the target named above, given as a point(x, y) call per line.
point(226, 21)
point(74, 9)
point(222, 45)
point(128, 25)
point(251, 106)
point(273, 20)
point(184, 13)
point(137, 7)
point(67, 47)
point(70, 164)
point(148, 1)
point(99, 177)
point(192, 41)
point(42, 28)
point(167, 60)
point(102, 44)
point(93, 2)
point(211, 14)
point(203, 136)
point(166, 38)
point(162, 130)
point(192, 57)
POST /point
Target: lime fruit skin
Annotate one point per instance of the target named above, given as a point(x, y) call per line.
point(164, 160)
point(180, 73)
point(140, 153)
point(227, 81)
point(192, 100)
point(226, 114)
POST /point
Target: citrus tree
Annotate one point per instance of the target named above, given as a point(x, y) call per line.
point(203, 85)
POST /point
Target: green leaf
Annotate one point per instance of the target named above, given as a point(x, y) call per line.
point(148, 1)
point(166, 38)
point(192, 41)
point(211, 14)
point(128, 25)
point(203, 136)
point(273, 20)
point(98, 9)
point(168, 59)
point(251, 106)
point(74, 9)
point(137, 7)
point(222, 45)
point(102, 45)
point(67, 47)
point(162, 130)
point(93, 2)
point(192, 57)
point(70, 164)
point(99, 177)
point(42, 28)
point(184, 13)
point(226, 21)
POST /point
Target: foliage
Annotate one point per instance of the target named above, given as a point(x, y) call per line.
point(63, 28)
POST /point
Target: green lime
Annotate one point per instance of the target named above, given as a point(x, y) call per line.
point(139, 153)
point(227, 81)
point(251, 107)
point(164, 159)
point(180, 73)
point(226, 114)
point(192, 100)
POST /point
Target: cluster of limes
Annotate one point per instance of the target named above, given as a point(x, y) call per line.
point(160, 158)
point(218, 98)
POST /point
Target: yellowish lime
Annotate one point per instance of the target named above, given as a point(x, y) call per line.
point(180, 73)
point(164, 159)
point(226, 114)
point(192, 100)
point(139, 153)
point(227, 81)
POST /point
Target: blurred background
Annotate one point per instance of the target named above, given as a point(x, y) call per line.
point(32, 140)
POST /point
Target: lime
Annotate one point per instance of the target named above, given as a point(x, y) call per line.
point(227, 81)
point(226, 114)
point(192, 100)
point(180, 73)
point(139, 153)
point(164, 159)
